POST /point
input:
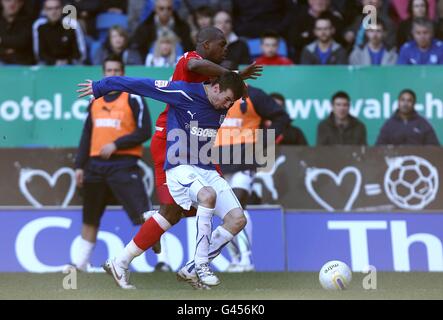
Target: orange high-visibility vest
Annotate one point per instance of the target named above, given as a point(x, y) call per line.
point(110, 121)
point(238, 126)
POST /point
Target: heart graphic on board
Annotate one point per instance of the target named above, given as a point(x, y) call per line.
point(27, 174)
point(313, 173)
point(268, 177)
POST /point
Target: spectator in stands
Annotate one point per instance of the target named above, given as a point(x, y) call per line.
point(164, 54)
point(355, 33)
point(406, 126)
point(269, 46)
point(117, 44)
point(341, 128)
point(403, 9)
point(15, 34)
point(202, 18)
point(303, 25)
point(140, 10)
point(324, 50)
point(237, 50)
point(416, 9)
point(189, 8)
point(57, 45)
point(374, 52)
point(251, 17)
point(424, 49)
point(163, 19)
point(292, 135)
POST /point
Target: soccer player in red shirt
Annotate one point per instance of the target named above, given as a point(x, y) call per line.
point(194, 66)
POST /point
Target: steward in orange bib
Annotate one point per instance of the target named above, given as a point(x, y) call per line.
point(115, 129)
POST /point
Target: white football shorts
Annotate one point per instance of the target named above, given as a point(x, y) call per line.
point(185, 181)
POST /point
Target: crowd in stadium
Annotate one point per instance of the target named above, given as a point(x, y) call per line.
point(271, 32)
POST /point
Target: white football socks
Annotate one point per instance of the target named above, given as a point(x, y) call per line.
point(245, 241)
point(128, 254)
point(204, 229)
point(82, 257)
point(219, 238)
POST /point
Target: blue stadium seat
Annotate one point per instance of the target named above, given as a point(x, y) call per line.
point(255, 50)
point(94, 46)
point(107, 20)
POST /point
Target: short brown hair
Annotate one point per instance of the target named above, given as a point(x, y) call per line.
point(340, 95)
point(233, 81)
point(114, 58)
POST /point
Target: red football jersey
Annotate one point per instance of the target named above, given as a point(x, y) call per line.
point(181, 73)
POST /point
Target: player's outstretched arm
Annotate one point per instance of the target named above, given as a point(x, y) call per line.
point(211, 69)
point(206, 68)
point(161, 90)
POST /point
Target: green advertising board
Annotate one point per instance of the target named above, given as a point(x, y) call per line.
point(39, 105)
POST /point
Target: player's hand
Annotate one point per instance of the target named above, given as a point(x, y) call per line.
point(107, 150)
point(86, 89)
point(253, 71)
point(79, 174)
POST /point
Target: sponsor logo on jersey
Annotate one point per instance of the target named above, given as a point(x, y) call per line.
point(108, 123)
point(200, 132)
point(161, 83)
point(232, 122)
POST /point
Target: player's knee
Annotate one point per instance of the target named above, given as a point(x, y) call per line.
point(207, 197)
point(235, 220)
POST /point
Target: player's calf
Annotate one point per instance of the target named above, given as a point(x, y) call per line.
point(157, 248)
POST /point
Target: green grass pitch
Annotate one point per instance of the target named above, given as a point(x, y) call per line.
point(253, 285)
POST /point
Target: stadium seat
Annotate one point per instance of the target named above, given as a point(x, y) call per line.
point(94, 46)
point(255, 50)
point(108, 20)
